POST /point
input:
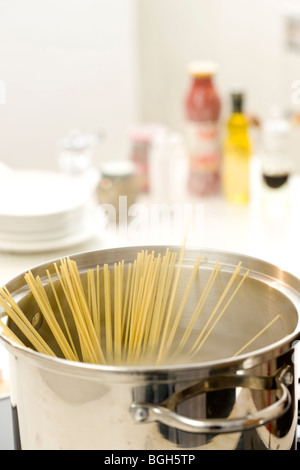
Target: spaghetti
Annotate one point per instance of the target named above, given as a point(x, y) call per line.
point(122, 314)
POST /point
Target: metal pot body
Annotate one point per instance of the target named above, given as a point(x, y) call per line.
point(244, 402)
point(57, 408)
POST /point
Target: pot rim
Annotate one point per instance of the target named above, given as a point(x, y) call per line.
point(246, 360)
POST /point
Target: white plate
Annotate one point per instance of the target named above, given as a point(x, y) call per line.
point(34, 194)
point(17, 246)
point(90, 226)
point(48, 229)
point(41, 210)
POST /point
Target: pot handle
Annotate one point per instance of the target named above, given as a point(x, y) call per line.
point(163, 412)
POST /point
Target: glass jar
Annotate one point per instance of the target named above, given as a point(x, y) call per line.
point(118, 180)
point(141, 137)
point(276, 162)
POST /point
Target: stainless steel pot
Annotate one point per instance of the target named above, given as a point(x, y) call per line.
point(216, 402)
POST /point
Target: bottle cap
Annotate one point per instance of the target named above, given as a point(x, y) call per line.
point(237, 99)
point(145, 132)
point(117, 169)
point(202, 68)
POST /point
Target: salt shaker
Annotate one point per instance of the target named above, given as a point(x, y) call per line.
point(76, 152)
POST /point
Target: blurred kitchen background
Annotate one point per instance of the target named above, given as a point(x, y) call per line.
point(93, 101)
point(101, 65)
point(93, 94)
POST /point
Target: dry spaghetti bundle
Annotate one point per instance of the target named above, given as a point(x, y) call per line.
point(121, 314)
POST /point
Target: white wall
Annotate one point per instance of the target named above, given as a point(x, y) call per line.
point(65, 64)
point(105, 63)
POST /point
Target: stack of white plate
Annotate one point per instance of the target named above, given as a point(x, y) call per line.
point(41, 210)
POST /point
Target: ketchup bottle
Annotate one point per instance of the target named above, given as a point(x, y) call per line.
point(202, 108)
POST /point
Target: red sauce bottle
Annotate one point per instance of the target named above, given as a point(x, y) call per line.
point(203, 108)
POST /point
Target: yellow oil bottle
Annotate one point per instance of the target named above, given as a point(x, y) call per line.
point(236, 154)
